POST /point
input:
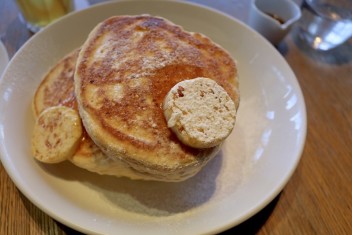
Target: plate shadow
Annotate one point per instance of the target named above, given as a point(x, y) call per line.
point(150, 198)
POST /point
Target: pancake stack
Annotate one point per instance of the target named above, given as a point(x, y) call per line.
point(118, 81)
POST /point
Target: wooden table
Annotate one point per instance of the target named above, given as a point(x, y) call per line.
point(318, 197)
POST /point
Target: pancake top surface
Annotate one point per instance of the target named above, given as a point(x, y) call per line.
point(123, 73)
point(57, 87)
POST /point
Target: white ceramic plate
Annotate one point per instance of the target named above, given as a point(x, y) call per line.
point(253, 167)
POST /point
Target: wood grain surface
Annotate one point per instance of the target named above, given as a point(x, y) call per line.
point(318, 197)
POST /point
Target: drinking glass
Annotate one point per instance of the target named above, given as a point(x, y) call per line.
point(325, 24)
point(36, 14)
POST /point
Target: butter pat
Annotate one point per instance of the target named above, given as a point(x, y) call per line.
point(200, 112)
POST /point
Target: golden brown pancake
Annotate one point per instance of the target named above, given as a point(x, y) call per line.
point(57, 89)
point(123, 73)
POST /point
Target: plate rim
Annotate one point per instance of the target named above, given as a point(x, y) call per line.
point(4, 53)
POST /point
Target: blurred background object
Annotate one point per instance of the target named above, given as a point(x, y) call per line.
point(273, 19)
point(326, 24)
point(36, 14)
point(39, 13)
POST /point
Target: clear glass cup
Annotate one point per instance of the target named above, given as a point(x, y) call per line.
point(36, 14)
point(326, 24)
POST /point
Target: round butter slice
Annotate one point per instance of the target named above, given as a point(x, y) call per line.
point(200, 112)
point(56, 135)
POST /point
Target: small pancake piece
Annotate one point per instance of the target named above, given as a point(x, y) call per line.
point(200, 112)
point(56, 134)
